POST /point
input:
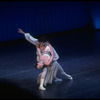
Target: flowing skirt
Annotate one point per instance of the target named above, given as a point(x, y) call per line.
point(51, 73)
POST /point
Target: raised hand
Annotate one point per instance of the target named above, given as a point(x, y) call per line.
point(21, 31)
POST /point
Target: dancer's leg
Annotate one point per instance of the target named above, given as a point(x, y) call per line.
point(54, 65)
point(63, 72)
point(42, 79)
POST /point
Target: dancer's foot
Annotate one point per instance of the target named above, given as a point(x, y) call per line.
point(69, 77)
point(42, 88)
point(57, 79)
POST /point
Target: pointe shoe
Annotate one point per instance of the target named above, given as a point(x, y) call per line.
point(42, 88)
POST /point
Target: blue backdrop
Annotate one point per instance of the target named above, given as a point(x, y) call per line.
point(95, 14)
point(41, 17)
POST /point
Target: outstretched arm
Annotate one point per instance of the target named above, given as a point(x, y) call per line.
point(28, 37)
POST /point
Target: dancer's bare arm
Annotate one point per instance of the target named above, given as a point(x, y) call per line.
point(52, 55)
point(21, 31)
point(38, 51)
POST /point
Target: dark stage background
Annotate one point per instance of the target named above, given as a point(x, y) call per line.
point(42, 17)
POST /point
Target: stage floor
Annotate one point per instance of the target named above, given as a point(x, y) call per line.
point(79, 56)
